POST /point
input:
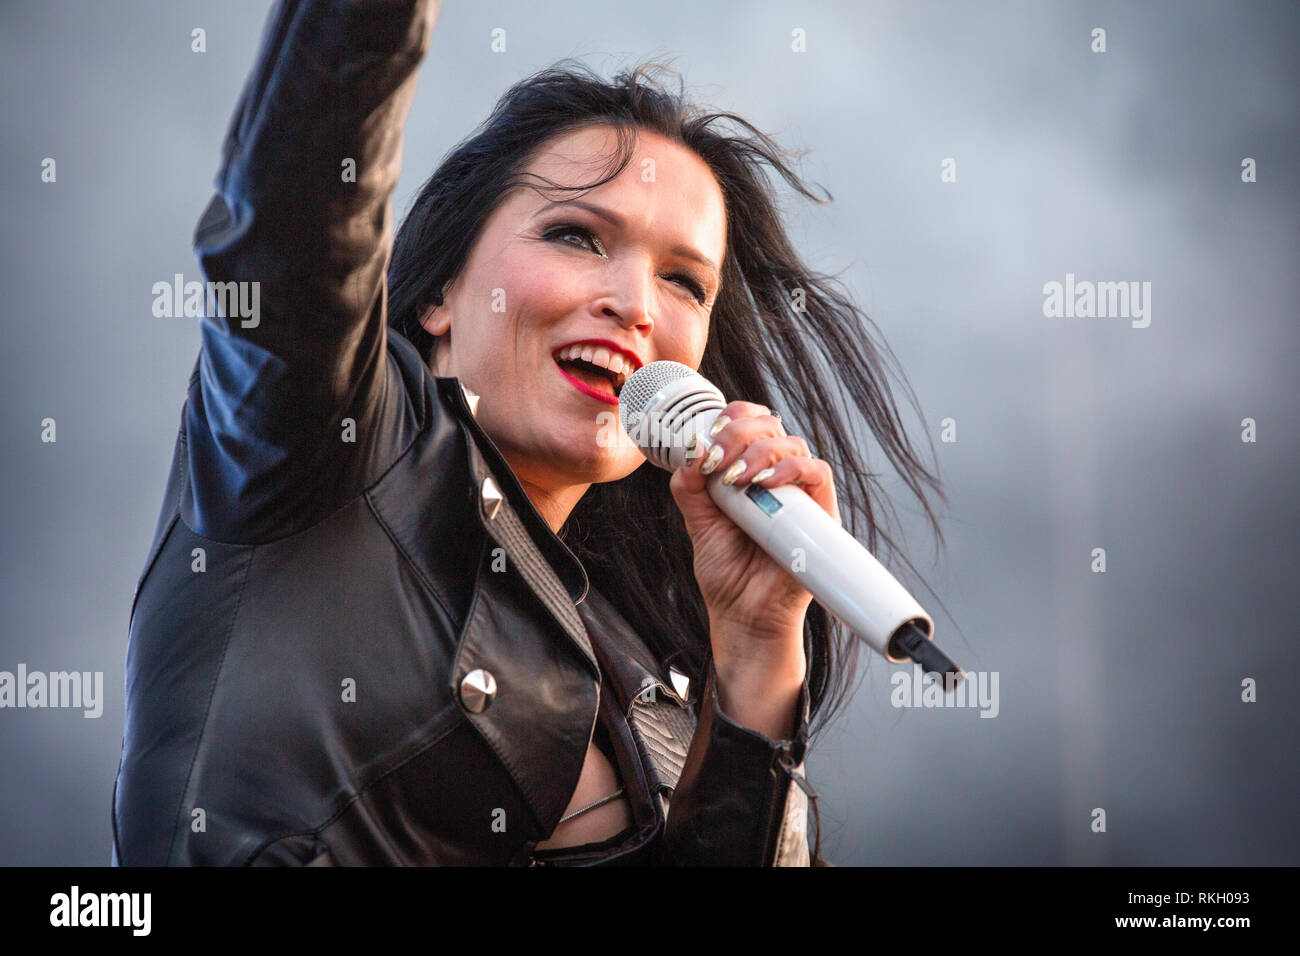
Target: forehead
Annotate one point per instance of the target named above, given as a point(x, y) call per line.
point(665, 185)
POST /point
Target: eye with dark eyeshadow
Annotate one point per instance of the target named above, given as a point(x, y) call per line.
point(696, 290)
point(566, 228)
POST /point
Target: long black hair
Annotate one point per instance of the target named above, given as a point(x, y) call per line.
point(780, 335)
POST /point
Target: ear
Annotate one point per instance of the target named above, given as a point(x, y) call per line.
point(436, 320)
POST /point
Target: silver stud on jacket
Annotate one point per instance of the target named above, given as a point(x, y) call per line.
point(477, 690)
point(491, 497)
point(471, 399)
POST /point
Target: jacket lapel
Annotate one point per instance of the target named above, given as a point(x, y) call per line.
point(633, 669)
point(552, 571)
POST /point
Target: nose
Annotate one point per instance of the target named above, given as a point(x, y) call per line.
point(629, 300)
point(637, 320)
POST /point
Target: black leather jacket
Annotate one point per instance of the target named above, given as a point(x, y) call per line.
point(354, 640)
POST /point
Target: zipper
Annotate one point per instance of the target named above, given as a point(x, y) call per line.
point(785, 757)
point(784, 760)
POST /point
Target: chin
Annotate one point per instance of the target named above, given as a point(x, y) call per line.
point(601, 464)
point(622, 469)
point(609, 469)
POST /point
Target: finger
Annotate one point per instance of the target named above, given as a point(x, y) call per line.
point(736, 410)
point(759, 454)
point(687, 477)
point(725, 446)
point(814, 475)
point(740, 410)
point(690, 491)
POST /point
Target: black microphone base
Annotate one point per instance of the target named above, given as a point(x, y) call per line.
point(912, 642)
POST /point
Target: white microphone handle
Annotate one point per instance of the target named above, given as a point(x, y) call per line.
point(840, 573)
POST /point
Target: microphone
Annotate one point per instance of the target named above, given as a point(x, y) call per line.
point(666, 409)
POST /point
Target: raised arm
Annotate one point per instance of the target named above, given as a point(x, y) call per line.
point(294, 407)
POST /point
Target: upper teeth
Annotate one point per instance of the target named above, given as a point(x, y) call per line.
point(599, 355)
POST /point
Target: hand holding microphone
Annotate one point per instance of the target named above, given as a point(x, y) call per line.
point(739, 580)
point(669, 410)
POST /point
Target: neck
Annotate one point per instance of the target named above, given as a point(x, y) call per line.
point(552, 503)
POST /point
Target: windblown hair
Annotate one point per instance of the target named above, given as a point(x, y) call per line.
point(780, 334)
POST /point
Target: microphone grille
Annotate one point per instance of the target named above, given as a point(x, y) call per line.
point(642, 385)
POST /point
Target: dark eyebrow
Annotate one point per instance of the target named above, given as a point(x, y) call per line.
point(618, 222)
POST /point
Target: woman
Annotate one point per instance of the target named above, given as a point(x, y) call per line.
point(386, 617)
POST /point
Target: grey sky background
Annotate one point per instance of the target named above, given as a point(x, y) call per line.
point(1119, 691)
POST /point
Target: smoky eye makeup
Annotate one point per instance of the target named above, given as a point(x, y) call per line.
point(558, 230)
point(554, 232)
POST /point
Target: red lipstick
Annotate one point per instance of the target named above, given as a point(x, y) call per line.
point(609, 398)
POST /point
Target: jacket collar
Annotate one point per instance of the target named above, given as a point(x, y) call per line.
point(552, 572)
point(565, 563)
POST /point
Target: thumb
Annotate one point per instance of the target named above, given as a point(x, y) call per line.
point(689, 488)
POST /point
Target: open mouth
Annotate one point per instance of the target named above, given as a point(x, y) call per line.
point(597, 367)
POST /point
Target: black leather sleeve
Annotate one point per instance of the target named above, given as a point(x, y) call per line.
point(294, 406)
point(740, 800)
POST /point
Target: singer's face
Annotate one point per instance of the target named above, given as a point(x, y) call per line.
point(634, 262)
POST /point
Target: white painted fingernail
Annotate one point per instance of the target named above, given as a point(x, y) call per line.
point(763, 475)
point(719, 423)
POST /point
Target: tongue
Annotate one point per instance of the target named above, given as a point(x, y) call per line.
point(587, 377)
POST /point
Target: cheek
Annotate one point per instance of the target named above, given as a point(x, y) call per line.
point(683, 342)
point(698, 343)
point(540, 281)
point(538, 299)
